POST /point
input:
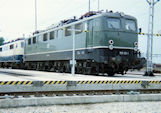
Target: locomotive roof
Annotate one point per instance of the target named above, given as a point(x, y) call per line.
point(70, 22)
point(12, 41)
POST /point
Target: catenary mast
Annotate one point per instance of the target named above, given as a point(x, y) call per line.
point(149, 69)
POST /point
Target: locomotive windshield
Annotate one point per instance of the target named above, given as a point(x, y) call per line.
point(114, 23)
point(130, 25)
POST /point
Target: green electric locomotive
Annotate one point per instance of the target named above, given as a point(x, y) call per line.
point(105, 42)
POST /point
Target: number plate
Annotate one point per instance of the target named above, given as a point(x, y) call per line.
point(124, 53)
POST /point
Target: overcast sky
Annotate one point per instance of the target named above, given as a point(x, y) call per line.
point(17, 16)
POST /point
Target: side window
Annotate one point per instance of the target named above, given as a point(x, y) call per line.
point(34, 40)
point(1, 49)
point(68, 31)
point(29, 41)
point(45, 37)
point(11, 46)
point(22, 44)
point(78, 27)
point(52, 35)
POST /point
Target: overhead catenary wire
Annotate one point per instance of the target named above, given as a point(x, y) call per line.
point(71, 10)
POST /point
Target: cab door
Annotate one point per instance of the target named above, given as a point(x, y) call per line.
point(89, 38)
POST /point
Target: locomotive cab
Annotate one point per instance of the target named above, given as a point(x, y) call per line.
point(116, 39)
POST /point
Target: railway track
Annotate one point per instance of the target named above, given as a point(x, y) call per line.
point(75, 93)
point(80, 97)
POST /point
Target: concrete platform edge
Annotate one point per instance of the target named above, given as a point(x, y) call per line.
point(40, 101)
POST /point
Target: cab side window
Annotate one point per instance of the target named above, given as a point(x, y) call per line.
point(45, 37)
point(52, 35)
point(1, 49)
point(11, 46)
point(68, 31)
point(34, 40)
point(78, 28)
point(29, 41)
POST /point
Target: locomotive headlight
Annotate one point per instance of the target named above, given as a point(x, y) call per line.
point(111, 42)
point(136, 44)
point(135, 48)
point(111, 47)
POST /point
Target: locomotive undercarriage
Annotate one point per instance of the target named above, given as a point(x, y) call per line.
point(110, 62)
point(82, 67)
point(103, 62)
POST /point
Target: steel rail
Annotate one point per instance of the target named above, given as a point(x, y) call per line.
point(74, 93)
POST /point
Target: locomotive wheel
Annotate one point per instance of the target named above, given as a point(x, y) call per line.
point(87, 71)
point(52, 69)
point(62, 69)
point(111, 73)
point(67, 67)
point(84, 71)
point(79, 70)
